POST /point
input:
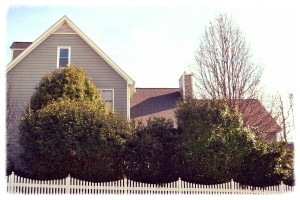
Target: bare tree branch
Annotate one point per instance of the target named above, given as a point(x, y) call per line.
point(284, 113)
point(224, 67)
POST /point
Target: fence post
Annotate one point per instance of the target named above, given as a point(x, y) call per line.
point(179, 186)
point(68, 184)
point(11, 183)
point(232, 186)
point(125, 185)
point(281, 187)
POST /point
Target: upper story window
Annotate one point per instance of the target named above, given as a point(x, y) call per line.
point(108, 97)
point(63, 56)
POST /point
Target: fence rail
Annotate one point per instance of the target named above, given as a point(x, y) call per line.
point(69, 185)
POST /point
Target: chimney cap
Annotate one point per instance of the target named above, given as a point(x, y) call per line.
point(187, 73)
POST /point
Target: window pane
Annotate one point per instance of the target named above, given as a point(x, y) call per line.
point(107, 95)
point(109, 103)
point(63, 62)
point(64, 53)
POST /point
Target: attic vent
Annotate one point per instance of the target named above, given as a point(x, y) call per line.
point(65, 29)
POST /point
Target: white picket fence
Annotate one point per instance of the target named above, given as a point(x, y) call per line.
point(69, 185)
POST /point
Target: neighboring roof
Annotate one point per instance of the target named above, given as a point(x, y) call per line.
point(56, 26)
point(20, 45)
point(154, 102)
point(161, 102)
point(255, 115)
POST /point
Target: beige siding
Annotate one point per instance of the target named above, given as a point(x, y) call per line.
point(65, 29)
point(24, 77)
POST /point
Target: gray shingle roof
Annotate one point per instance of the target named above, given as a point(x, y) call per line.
point(154, 102)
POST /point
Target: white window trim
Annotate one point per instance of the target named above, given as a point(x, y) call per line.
point(58, 51)
point(113, 96)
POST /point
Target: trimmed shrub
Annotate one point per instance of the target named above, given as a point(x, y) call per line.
point(215, 141)
point(73, 137)
point(72, 131)
point(218, 148)
point(152, 154)
point(72, 82)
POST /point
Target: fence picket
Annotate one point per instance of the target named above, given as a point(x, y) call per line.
point(72, 189)
point(59, 186)
point(56, 191)
point(62, 186)
point(17, 184)
point(37, 187)
point(32, 189)
point(101, 188)
point(27, 182)
point(21, 185)
point(34, 183)
point(54, 187)
point(11, 182)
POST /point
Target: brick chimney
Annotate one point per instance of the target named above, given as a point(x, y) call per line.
point(18, 47)
point(186, 86)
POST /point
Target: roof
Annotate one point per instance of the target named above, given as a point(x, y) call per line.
point(255, 115)
point(20, 45)
point(154, 102)
point(55, 27)
point(161, 102)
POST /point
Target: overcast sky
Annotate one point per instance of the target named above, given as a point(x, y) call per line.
point(155, 44)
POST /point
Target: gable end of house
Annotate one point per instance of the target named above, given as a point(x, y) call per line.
point(66, 26)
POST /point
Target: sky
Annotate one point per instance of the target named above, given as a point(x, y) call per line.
point(154, 43)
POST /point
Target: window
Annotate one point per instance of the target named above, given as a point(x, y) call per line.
point(63, 56)
point(108, 97)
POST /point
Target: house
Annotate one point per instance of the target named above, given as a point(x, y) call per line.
point(64, 43)
point(161, 102)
